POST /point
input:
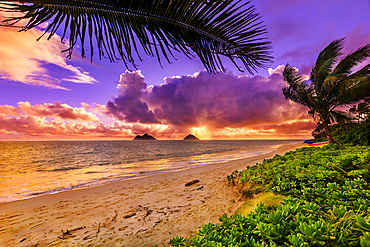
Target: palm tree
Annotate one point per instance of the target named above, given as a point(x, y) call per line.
point(331, 84)
point(210, 29)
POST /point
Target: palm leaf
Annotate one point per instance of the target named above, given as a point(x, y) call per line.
point(338, 80)
point(209, 29)
point(341, 87)
point(298, 90)
point(340, 116)
point(347, 64)
point(325, 62)
point(364, 72)
point(363, 107)
point(358, 90)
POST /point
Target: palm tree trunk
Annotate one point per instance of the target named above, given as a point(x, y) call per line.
point(328, 133)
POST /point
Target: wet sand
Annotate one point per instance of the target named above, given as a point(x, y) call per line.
point(139, 212)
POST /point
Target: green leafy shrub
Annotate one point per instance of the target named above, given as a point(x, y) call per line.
point(358, 134)
point(177, 241)
point(328, 202)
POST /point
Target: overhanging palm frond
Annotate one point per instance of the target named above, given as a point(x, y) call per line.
point(210, 29)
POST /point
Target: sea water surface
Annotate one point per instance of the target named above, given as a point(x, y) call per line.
point(35, 168)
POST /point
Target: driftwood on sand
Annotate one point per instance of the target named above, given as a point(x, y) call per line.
point(192, 182)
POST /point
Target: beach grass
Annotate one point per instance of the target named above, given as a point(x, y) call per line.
point(268, 199)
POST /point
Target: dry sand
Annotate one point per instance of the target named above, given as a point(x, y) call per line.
point(139, 212)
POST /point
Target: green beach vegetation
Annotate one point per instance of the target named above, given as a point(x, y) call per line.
point(351, 133)
point(327, 202)
point(356, 134)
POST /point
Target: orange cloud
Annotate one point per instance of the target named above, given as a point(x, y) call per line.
point(31, 127)
point(9, 110)
point(25, 60)
point(294, 130)
point(57, 110)
point(61, 121)
point(54, 110)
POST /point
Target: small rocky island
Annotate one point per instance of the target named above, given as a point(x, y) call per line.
point(191, 137)
point(145, 137)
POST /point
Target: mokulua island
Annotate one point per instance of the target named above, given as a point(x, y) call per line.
point(145, 137)
point(191, 137)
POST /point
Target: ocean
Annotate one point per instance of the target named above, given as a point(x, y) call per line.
point(35, 168)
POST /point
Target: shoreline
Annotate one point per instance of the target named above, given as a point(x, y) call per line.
point(82, 169)
point(105, 180)
point(144, 211)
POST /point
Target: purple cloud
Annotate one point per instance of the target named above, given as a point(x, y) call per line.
point(203, 99)
point(128, 105)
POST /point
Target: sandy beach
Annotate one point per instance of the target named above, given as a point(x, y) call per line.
point(139, 212)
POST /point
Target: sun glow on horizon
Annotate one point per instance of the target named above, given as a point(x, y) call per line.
point(202, 133)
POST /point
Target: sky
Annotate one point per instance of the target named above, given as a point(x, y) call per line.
point(45, 96)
